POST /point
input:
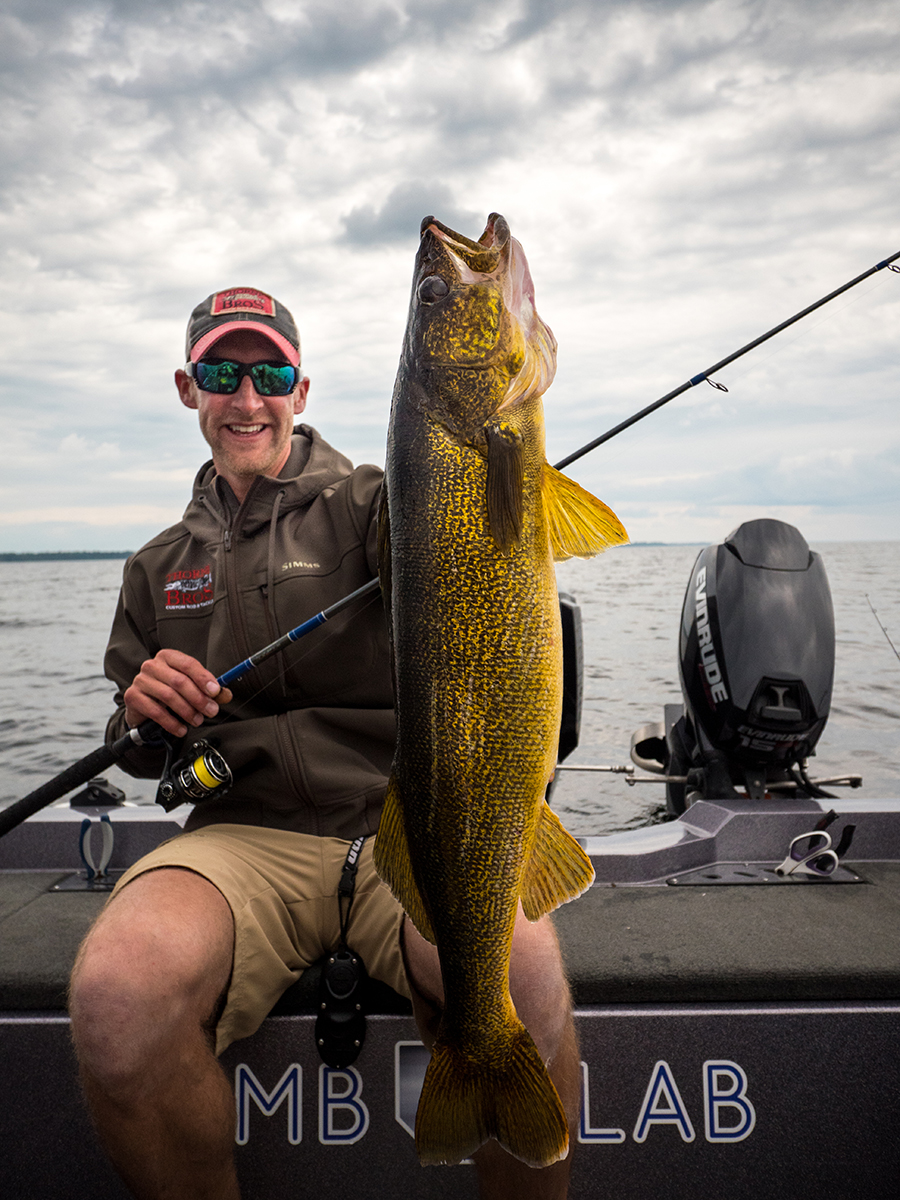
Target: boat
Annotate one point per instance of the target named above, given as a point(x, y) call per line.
point(735, 969)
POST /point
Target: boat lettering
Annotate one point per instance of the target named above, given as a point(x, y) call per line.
point(765, 735)
point(722, 1099)
point(728, 1114)
point(247, 1087)
point(711, 668)
point(663, 1106)
point(343, 1115)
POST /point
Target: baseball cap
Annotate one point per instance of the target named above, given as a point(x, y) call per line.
point(241, 308)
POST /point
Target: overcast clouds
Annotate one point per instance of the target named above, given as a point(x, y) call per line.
point(681, 175)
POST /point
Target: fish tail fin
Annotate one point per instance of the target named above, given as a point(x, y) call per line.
point(580, 524)
point(557, 871)
point(464, 1103)
point(393, 862)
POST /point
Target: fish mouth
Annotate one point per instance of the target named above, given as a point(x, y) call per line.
point(496, 233)
point(481, 258)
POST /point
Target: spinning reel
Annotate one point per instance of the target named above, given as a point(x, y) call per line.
point(193, 777)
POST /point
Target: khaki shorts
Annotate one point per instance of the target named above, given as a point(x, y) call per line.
point(282, 890)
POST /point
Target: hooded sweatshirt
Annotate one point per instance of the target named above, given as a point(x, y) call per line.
point(310, 733)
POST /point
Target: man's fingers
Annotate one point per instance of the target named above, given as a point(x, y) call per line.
point(171, 686)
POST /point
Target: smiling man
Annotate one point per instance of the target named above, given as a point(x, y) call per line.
point(248, 431)
point(203, 935)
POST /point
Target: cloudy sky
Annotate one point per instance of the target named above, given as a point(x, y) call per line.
point(682, 176)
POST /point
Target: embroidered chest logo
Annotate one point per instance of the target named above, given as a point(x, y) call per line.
point(192, 588)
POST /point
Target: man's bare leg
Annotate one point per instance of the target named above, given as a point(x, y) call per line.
point(145, 988)
point(541, 995)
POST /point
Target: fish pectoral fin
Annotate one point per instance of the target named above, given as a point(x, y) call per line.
point(464, 1103)
point(580, 524)
point(393, 863)
point(505, 479)
point(558, 870)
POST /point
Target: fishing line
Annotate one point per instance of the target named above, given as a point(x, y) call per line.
point(232, 713)
point(882, 628)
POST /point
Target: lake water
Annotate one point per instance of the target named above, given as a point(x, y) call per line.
point(55, 618)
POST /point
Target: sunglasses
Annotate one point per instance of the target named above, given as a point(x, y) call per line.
point(223, 377)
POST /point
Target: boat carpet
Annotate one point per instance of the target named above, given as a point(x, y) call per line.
point(805, 941)
point(658, 945)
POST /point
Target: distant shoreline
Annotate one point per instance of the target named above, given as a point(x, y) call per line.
point(64, 555)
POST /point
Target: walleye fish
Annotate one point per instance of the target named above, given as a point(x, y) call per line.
point(472, 520)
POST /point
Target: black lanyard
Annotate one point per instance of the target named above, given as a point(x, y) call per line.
point(347, 886)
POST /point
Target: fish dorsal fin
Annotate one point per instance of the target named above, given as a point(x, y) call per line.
point(558, 870)
point(580, 524)
point(505, 476)
point(393, 863)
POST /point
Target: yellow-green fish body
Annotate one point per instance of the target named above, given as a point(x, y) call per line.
point(473, 518)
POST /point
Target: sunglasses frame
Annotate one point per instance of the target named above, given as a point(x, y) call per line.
point(243, 369)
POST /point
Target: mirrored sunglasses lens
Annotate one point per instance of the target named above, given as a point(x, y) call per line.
point(222, 378)
point(273, 380)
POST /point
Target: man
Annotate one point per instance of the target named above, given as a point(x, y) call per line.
point(203, 935)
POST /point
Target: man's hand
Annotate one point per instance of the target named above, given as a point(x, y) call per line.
point(171, 686)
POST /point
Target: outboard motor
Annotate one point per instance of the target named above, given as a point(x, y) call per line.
point(756, 659)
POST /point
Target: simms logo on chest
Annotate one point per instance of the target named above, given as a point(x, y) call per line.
point(711, 667)
point(190, 588)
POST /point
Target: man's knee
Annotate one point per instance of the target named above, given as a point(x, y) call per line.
point(149, 972)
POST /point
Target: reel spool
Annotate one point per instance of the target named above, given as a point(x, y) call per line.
point(194, 777)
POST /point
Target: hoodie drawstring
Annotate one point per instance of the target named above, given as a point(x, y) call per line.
point(225, 525)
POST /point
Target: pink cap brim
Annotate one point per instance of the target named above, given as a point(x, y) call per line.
point(291, 353)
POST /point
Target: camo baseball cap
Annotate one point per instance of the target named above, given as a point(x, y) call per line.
point(241, 308)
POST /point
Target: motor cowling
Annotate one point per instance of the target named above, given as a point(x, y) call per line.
point(756, 653)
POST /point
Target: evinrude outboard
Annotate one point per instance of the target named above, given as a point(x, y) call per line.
point(756, 660)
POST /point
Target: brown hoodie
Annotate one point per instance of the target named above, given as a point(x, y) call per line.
point(310, 733)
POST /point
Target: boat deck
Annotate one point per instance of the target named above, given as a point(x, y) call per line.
point(784, 995)
point(623, 945)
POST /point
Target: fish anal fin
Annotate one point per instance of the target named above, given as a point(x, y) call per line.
point(464, 1103)
point(505, 477)
point(580, 525)
point(558, 870)
point(393, 863)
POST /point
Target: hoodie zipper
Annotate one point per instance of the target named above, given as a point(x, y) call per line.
point(232, 591)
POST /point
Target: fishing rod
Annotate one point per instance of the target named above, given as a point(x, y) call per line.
point(149, 732)
point(704, 375)
point(209, 769)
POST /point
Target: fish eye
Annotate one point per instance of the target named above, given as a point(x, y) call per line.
point(432, 288)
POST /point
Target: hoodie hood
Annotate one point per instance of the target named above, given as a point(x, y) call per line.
point(312, 466)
